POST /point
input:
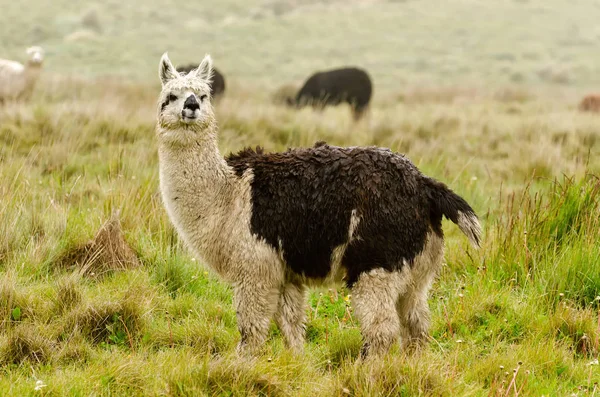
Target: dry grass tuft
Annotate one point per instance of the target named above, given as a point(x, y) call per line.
point(106, 322)
point(390, 376)
point(68, 293)
point(12, 303)
point(24, 344)
point(106, 252)
point(8, 296)
point(75, 349)
point(222, 373)
point(226, 377)
point(576, 328)
point(202, 336)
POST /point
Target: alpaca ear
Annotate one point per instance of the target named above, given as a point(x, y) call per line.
point(205, 70)
point(166, 70)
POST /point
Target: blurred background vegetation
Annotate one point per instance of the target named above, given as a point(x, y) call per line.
point(269, 42)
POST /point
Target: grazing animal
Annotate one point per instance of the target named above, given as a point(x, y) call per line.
point(217, 83)
point(590, 103)
point(273, 223)
point(17, 80)
point(347, 85)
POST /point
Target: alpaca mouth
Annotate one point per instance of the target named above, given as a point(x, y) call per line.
point(188, 116)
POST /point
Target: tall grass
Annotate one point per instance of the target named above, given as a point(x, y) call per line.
point(550, 240)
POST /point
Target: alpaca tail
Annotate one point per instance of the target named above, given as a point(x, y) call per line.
point(452, 206)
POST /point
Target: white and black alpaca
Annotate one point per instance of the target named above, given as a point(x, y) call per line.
point(271, 223)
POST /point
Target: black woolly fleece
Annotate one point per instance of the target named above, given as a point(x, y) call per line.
point(302, 201)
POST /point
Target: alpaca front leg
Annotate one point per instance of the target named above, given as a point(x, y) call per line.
point(291, 315)
point(255, 306)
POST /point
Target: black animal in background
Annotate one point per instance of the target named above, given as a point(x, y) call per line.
point(217, 85)
point(347, 85)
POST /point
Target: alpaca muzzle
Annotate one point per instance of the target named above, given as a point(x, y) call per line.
point(190, 108)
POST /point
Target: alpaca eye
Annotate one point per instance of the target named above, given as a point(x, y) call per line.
point(203, 97)
point(172, 98)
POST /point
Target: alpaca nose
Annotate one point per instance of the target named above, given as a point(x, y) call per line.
point(191, 103)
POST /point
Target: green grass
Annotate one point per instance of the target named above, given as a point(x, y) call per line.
point(518, 317)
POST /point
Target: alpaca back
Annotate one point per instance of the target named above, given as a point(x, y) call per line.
point(304, 202)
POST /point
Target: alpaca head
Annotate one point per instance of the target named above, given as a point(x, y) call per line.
point(184, 106)
point(36, 55)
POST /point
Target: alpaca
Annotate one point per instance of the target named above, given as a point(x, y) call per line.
point(346, 85)
point(17, 80)
point(272, 224)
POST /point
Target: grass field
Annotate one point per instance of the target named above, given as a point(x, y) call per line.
point(99, 297)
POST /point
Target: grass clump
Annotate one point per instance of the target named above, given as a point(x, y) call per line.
point(225, 376)
point(396, 375)
point(68, 293)
point(24, 343)
point(107, 252)
point(8, 299)
point(203, 337)
point(576, 329)
point(118, 323)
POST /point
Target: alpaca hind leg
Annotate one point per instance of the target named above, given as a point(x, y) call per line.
point(412, 306)
point(374, 295)
point(414, 315)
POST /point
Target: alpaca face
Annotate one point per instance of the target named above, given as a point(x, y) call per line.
point(36, 55)
point(184, 106)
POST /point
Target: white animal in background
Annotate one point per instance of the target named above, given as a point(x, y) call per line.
point(17, 80)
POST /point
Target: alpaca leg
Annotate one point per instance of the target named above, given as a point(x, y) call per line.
point(255, 305)
point(358, 112)
point(291, 315)
point(374, 295)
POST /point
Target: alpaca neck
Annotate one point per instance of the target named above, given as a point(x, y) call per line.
point(195, 171)
point(30, 77)
point(32, 70)
point(202, 196)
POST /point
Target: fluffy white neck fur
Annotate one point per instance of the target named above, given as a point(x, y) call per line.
point(201, 195)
